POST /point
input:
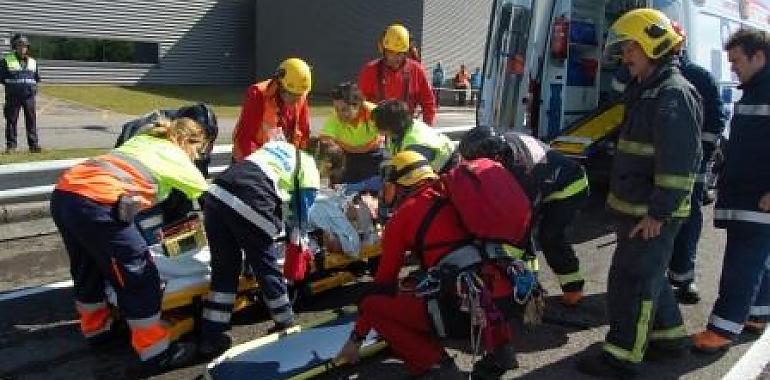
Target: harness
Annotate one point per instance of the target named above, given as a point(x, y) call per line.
point(381, 84)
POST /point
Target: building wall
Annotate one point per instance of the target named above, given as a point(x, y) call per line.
point(200, 41)
point(454, 33)
point(336, 37)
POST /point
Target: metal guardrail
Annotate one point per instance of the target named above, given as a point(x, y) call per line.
point(34, 181)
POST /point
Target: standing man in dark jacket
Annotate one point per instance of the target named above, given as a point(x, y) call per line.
point(743, 201)
point(658, 152)
point(18, 72)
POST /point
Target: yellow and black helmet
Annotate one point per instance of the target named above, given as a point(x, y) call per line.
point(650, 28)
point(407, 168)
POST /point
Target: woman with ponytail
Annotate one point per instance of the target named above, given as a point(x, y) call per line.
point(93, 206)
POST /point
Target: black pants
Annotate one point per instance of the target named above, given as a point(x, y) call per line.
point(557, 215)
point(11, 111)
point(461, 95)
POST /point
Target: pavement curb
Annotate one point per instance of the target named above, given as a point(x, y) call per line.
point(22, 212)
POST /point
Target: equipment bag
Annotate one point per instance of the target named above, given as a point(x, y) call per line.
point(491, 203)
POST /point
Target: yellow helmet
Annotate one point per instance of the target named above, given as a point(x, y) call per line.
point(294, 75)
point(396, 38)
point(408, 168)
point(650, 28)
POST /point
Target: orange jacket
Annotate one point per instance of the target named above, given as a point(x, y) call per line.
point(263, 110)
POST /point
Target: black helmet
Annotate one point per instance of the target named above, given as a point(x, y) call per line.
point(481, 142)
point(204, 115)
point(19, 39)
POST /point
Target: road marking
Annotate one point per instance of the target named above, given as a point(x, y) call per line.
point(753, 362)
point(14, 294)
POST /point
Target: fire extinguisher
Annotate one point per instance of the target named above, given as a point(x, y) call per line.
point(559, 36)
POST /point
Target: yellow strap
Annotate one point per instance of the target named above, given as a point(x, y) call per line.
point(640, 210)
point(636, 148)
point(572, 189)
point(677, 182)
point(670, 333)
point(565, 279)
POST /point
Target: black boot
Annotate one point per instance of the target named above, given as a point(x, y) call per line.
point(667, 349)
point(494, 365)
point(213, 346)
point(686, 292)
point(177, 355)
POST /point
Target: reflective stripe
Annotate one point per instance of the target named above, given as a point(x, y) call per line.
point(221, 298)
point(636, 148)
point(536, 151)
point(284, 317)
point(651, 93)
point(677, 182)
point(243, 210)
point(155, 349)
point(670, 333)
point(216, 315)
point(681, 277)
point(640, 210)
point(709, 137)
point(279, 302)
point(515, 252)
point(752, 109)
point(151, 222)
point(571, 189)
point(725, 324)
point(105, 328)
point(144, 322)
point(569, 278)
point(136, 164)
point(20, 81)
point(742, 215)
point(700, 178)
point(617, 85)
point(637, 351)
point(759, 311)
point(90, 306)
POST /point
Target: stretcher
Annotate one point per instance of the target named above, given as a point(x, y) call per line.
point(298, 353)
point(586, 132)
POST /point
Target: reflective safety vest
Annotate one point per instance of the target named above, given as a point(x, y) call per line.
point(145, 166)
point(278, 160)
point(21, 79)
point(421, 138)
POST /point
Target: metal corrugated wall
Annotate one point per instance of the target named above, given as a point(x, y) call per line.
point(200, 41)
point(454, 33)
point(336, 37)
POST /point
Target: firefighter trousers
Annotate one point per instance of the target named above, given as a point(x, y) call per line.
point(744, 289)
point(104, 250)
point(641, 306)
point(682, 266)
point(230, 238)
point(556, 216)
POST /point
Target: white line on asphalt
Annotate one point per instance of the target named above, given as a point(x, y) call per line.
point(36, 290)
point(752, 363)
point(459, 128)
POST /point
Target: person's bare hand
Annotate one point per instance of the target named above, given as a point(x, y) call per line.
point(648, 228)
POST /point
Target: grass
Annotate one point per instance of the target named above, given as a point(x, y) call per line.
point(59, 154)
point(138, 100)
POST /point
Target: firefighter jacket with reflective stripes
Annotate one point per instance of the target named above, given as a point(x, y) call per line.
point(145, 166)
point(546, 174)
point(20, 76)
point(714, 115)
point(659, 147)
point(262, 113)
point(264, 181)
point(746, 176)
point(409, 83)
point(420, 138)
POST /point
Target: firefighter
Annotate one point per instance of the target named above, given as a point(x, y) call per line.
point(243, 216)
point(351, 129)
point(93, 206)
point(556, 185)
point(277, 107)
point(401, 317)
point(743, 201)
point(19, 74)
point(658, 153)
point(391, 117)
point(395, 76)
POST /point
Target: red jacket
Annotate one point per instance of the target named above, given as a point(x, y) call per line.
point(249, 133)
point(420, 91)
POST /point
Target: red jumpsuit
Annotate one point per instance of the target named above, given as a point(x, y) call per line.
point(402, 319)
point(419, 90)
point(262, 110)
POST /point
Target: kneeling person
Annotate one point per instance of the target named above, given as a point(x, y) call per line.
point(243, 216)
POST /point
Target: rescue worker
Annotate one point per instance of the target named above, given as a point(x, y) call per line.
point(19, 74)
point(681, 270)
point(243, 216)
point(743, 201)
point(277, 107)
point(653, 174)
point(400, 316)
point(351, 129)
point(93, 206)
point(557, 186)
point(396, 76)
point(391, 117)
